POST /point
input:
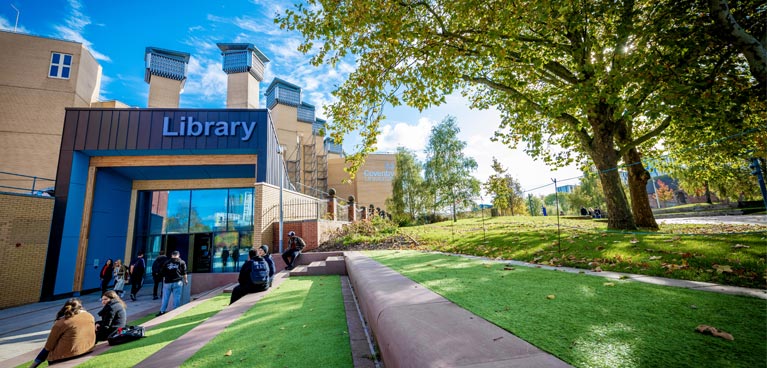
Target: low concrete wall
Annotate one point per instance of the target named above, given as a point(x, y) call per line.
point(415, 327)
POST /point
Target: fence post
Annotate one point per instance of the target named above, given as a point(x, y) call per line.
point(352, 210)
point(364, 213)
point(332, 204)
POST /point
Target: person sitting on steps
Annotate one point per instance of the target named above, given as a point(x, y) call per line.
point(254, 276)
point(263, 252)
point(113, 315)
point(295, 246)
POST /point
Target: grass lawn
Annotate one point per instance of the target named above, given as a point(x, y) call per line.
point(302, 323)
point(590, 321)
point(129, 354)
point(724, 254)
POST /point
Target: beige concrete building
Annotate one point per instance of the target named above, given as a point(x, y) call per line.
point(373, 183)
point(40, 77)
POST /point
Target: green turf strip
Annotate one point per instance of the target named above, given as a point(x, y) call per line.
point(302, 323)
point(590, 323)
point(130, 354)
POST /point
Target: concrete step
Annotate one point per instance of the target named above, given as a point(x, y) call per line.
point(334, 265)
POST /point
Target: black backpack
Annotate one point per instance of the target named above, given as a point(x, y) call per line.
point(125, 334)
point(259, 272)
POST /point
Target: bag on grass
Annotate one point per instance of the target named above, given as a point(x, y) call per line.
point(126, 334)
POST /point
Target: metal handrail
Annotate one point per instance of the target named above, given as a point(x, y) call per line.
point(32, 189)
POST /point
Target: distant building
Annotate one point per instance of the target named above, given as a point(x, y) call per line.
point(569, 188)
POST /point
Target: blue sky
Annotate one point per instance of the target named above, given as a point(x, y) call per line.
point(117, 33)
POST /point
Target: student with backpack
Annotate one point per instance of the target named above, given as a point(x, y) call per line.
point(254, 277)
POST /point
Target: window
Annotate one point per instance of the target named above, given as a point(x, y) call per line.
point(60, 65)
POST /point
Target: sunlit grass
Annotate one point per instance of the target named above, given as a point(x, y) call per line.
point(690, 252)
point(592, 321)
point(300, 324)
point(130, 354)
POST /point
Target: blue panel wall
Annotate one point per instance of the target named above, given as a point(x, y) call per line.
point(78, 178)
point(109, 223)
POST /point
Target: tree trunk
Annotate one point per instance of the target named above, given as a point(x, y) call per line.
point(606, 160)
point(640, 202)
point(708, 193)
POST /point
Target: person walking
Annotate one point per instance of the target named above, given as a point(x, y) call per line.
point(254, 276)
point(121, 274)
point(224, 257)
point(295, 246)
point(236, 257)
point(113, 315)
point(174, 278)
point(156, 274)
point(137, 271)
point(106, 275)
point(72, 334)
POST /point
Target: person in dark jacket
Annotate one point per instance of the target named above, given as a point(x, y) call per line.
point(106, 275)
point(246, 283)
point(174, 278)
point(156, 276)
point(224, 257)
point(137, 271)
point(263, 252)
point(295, 246)
point(113, 315)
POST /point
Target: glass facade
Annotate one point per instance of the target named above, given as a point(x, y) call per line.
point(211, 228)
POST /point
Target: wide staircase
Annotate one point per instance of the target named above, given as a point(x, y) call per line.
point(319, 263)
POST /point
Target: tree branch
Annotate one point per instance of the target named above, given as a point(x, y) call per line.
point(647, 136)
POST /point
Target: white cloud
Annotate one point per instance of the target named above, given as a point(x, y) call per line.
point(401, 134)
point(74, 27)
point(205, 80)
point(8, 25)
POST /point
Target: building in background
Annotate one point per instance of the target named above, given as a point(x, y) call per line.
point(40, 78)
point(165, 178)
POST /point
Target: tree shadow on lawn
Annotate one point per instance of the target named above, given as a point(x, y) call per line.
point(593, 321)
point(130, 354)
point(300, 324)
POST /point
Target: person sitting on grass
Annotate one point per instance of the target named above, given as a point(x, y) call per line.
point(113, 315)
point(263, 252)
point(254, 277)
point(72, 334)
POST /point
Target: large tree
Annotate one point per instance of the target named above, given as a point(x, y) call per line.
point(601, 79)
point(408, 199)
point(448, 170)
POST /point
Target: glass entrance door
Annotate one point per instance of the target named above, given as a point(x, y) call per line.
point(203, 253)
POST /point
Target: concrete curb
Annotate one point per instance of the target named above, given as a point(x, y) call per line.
point(417, 328)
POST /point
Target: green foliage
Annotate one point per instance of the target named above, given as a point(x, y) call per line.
point(302, 323)
point(593, 321)
point(409, 195)
point(688, 252)
point(596, 78)
point(507, 192)
point(588, 193)
point(447, 170)
point(376, 230)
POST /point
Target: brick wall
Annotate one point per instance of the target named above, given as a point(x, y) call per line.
point(25, 222)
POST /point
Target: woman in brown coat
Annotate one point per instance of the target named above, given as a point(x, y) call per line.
point(72, 334)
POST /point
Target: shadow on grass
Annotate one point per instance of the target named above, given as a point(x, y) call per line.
point(595, 322)
point(302, 323)
point(131, 353)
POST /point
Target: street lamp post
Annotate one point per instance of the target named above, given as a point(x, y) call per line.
point(282, 184)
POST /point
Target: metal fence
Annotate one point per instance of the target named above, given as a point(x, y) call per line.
point(342, 212)
point(25, 184)
point(298, 210)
